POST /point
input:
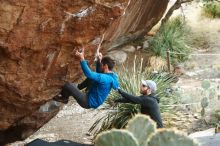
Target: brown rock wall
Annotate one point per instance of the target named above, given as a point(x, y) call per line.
point(38, 39)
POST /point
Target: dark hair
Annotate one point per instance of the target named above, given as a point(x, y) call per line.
point(110, 62)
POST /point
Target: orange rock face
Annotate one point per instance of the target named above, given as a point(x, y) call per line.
point(38, 40)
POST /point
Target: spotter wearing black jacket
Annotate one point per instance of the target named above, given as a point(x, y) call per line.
point(149, 105)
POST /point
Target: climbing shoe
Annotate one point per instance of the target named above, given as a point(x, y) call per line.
point(59, 98)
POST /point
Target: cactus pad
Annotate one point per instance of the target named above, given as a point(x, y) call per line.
point(116, 138)
point(204, 102)
point(141, 127)
point(171, 138)
point(206, 84)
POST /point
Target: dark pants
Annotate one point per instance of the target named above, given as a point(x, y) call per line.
point(87, 83)
point(70, 89)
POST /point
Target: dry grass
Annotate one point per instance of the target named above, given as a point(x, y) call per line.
point(157, 63)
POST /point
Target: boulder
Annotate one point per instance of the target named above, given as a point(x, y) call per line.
point(128, 48)
point(119, 56)
point(38, 40)
point(207, 137)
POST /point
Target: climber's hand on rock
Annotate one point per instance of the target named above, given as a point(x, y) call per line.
point(80, 53)
point(99, 56)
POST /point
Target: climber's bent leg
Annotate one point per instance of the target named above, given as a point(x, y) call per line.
point(87, 83)
point(70, 89)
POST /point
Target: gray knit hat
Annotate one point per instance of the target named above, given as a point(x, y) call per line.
point(151, 84)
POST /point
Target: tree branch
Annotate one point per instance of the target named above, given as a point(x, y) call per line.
point(175, 6)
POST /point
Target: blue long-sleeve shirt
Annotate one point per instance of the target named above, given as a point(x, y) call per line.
point(101, 87)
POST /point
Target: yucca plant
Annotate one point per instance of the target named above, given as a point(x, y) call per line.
point(173, 36)
point(118, 115)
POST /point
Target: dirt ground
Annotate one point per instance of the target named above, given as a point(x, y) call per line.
point(73, 122)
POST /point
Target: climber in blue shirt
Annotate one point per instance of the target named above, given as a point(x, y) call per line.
point(98, 84)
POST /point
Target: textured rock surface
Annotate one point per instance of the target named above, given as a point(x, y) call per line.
point(37, 44)
point(139, 18)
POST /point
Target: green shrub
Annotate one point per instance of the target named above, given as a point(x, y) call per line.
point(130, 78)
point(172, 35)
point(212, 9)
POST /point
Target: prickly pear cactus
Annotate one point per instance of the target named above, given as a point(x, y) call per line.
point(204, 104)
point(217, 114)
point(116, 138)
point(171, 138)
point(206, 84)
point(141, 127)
